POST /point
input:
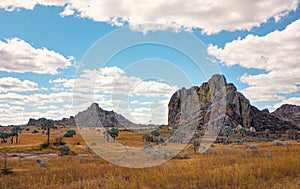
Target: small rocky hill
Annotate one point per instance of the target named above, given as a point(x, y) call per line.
point(64, 121)
point(288, 112)
point(94, 116)
point(238, 109)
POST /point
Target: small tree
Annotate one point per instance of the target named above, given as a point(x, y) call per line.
point(227, 130)
point(242, 131)
point(146, 137)
point(155, 133)
point(17, 130)
point(48, 124)
point(4, 136)
point(114, 132)
point(70, 133)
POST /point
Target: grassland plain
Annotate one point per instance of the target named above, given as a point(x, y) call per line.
point(226, 166)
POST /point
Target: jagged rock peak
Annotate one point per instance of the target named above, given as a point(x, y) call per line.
point(238, 111)
point(220, 78)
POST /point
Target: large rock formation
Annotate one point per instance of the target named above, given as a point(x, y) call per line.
point(94, 116)
point(238, 109)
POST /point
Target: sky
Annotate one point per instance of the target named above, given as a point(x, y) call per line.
point(46, 45)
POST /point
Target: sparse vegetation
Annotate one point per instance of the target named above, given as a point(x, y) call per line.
point(113, 132)
point(70, 133)
point(64, 150)
point(258, 165)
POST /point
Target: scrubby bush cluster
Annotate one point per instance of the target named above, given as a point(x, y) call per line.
point(70, 133)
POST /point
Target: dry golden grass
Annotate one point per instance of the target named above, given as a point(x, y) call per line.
point(226, 167)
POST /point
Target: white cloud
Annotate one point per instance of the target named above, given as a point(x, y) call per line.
point(16, 85)
point(11, 5)
point(212, 16)
point(113, 80)
point(276, 53)
point(35, 99)
point(16, 55)
point(293, 100)
point(51, 107)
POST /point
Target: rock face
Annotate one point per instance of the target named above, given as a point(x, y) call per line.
point(238, 109)
point(288, 112)
point(94, 116)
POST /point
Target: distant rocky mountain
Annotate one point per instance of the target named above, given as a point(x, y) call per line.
point(40, 121)
point(94, 116)
point(289, 112)
point(238, 109)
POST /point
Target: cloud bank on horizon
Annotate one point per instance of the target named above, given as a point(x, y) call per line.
point(274, 55)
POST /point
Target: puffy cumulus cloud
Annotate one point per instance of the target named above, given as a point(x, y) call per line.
point(113, 80)
point(156, 112)
point(212, 16)
point(16, 55)
point(293, 100)
point(276, 53)
point(16, 85)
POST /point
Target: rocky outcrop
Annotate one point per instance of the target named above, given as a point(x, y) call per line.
point(94, 116)
point(40, 121)
point(288, 112)
point(238, 109)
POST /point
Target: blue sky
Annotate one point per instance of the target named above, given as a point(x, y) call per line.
point(43, 43)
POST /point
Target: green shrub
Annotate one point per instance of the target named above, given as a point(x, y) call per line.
point(44, 145)
point(35, 131)
point(70, 133)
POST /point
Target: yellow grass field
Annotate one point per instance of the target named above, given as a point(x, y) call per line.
point(226, 166)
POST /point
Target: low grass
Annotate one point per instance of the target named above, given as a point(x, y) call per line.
point(226, 166)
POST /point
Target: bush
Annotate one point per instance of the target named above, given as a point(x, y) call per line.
point(27, 129)
point(35, 131)
point(177, 156)
point(64, 150)
point(59, 141)
point(44, 145)
point(70, 133)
